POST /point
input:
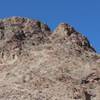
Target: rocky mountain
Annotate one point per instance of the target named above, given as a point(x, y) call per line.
point(38, 64)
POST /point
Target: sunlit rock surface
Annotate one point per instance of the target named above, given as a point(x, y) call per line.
point(38, 64)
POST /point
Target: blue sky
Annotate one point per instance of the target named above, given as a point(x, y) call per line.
point(84, 15)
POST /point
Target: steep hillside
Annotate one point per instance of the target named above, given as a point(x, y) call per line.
point(38, 64)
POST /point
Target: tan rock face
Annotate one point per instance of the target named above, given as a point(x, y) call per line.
point(37, 64)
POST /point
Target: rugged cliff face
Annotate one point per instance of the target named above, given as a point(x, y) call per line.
point(38, 64)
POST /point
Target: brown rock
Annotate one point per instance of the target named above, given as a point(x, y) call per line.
point(37, 64)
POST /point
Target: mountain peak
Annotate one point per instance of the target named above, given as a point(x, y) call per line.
point(20, 32)
point(65, 29)
point(69, 34)
point(38, 64)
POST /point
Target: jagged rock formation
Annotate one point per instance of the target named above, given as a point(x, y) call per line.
point(38, 64)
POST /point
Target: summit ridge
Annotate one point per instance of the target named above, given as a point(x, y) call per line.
point(39, 64)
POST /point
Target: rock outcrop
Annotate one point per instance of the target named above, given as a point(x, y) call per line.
point(38, 64)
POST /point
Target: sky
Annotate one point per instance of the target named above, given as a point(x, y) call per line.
point(83, 15)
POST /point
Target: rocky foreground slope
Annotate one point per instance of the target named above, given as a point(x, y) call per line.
point(38, 64)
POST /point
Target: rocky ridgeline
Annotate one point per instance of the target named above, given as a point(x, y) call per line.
point(38, 64)
point(68, 34)
point(18, 29)
point(18, 32)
